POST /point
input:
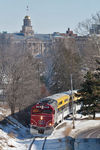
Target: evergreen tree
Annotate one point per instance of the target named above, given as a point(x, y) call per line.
point(90, 94)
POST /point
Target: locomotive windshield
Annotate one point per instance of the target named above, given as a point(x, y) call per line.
point(39, 110)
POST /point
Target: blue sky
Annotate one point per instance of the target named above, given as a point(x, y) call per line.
point(47, 16)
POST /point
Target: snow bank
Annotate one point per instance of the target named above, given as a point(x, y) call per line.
point(9, 143)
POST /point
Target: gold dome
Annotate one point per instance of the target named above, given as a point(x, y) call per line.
point(27, 17)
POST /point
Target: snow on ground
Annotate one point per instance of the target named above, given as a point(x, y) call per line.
point(56, 141)
point(82, 123)
point(10, 143)
point(18, 138)
point(13, 137)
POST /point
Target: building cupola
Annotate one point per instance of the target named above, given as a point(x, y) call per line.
point(27, 21)
point(27, 27)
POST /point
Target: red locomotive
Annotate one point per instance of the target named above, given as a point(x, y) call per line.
point(49, 112)
point(42, 118)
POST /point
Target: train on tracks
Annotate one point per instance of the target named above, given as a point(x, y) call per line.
point(51, 110)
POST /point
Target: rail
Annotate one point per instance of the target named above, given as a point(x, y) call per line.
point(33, 141)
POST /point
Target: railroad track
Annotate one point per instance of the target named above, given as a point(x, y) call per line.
point(34, 140)
point(11, 122)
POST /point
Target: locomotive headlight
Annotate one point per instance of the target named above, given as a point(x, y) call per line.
point(41, 117)
point(50, 124)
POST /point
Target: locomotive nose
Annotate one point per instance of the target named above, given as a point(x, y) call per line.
point(43, 120)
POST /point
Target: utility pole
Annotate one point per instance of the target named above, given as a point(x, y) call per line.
point(72, 102)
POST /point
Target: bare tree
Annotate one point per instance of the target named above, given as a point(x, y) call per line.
point(89, 42)
point(21, 75)
point(84, 27)
point(65, 60)
point(29, 90)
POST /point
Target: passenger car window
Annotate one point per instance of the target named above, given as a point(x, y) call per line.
point(60, 103)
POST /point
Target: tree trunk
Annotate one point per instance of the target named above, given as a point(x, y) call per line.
point(93, 114)
point(12, 109)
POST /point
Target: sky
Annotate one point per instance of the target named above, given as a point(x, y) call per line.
point(47, 16)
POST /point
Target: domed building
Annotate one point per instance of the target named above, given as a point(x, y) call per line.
point(27, 27)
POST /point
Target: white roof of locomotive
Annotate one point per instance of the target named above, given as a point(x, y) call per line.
point(58, 95)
